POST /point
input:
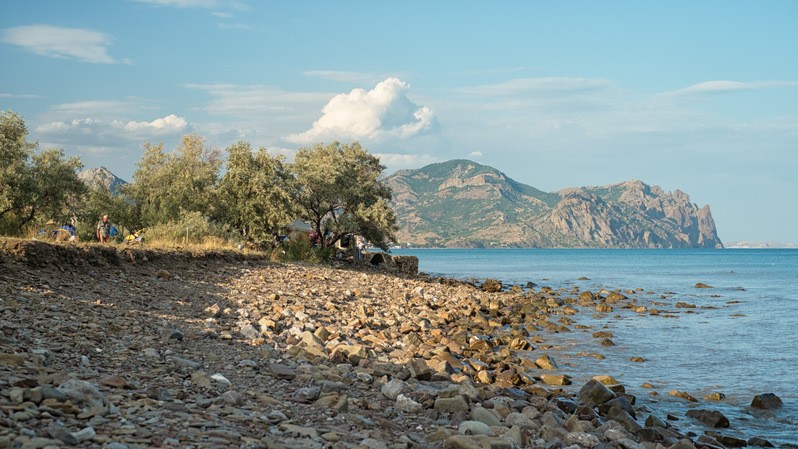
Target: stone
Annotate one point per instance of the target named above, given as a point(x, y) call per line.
point(624, 419)
point(492, 285)
point(585, 440)
point(766, 401)
point(555, 379)
point(474, 428)
point(394, 388)
point(712, 418)
point(546, 362)
point(717, 396)
point(484, 415)
point(683, 395)
point(82, 392)
point(606, 379)
point(516, 419)
point(85, 434)
point(759, 441)
point(727, 440)
point(702, 285)
point(451, 405)
point(594, 393)
point(408, 405)
point(232, 397)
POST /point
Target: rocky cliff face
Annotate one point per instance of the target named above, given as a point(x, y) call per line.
point(101, 177)
point(464, 204)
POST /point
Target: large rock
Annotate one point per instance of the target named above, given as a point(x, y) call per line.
point(594, 393)
point(766, 401)
point(712, 418)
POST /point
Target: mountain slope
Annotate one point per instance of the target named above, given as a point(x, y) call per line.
point(460, 203)
point(103, 178)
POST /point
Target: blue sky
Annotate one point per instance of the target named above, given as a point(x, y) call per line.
point(699, 96)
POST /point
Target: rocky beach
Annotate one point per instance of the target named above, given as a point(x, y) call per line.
point(131, 347)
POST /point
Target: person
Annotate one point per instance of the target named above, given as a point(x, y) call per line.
point(104, 230)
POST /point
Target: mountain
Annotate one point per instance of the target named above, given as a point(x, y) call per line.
point(461, 203)
point(101, 177)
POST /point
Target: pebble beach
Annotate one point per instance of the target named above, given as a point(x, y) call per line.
point(130, 347)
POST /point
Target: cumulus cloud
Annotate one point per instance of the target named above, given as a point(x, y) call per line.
point(381, 113)
point(475, 154)
point(60, 42)
point(723, 86)
point(97, 132)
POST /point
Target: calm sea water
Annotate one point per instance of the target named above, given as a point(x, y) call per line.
point(741, 339)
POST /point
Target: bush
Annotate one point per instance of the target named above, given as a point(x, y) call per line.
point(190, 228)
point(299, 249)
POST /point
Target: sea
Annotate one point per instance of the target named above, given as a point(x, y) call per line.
point(741, 339)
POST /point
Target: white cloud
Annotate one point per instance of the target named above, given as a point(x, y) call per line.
point(723, 86)
point(234, 26)
point(394, 161)
point(60, 42)
point(378, 114)
point(100, 133)
point(475, 154)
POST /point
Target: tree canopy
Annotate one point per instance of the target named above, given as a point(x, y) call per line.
point(336, 187)
point(250, 195)
point(34, 185)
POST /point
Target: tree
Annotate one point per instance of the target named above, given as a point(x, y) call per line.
point(34, 187)
point(252, 193)
point(337, 187)
point(164, 185)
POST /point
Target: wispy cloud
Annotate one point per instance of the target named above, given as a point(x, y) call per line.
point(200, 4)
point(475, 154)
point(549, 86)
point(722, 86)
point(207, 4)
point(59, 42)
point(344, 76)
point(375, 115)
point(8, 95)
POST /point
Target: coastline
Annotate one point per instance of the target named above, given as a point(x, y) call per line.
point(192, 348)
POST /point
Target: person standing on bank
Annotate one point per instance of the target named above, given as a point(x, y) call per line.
point(104, 230)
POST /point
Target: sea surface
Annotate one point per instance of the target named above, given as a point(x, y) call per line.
point(740, 340)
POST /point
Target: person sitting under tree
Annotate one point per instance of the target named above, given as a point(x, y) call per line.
point(104, 230)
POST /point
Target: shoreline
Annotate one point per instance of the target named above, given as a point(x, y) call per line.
point(317, 355)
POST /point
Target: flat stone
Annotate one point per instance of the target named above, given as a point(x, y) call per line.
point(483, 415)
point(474, 428)
point(451, 405)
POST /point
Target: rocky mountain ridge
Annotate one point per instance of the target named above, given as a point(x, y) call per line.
point(101, 177)
point(461, 203)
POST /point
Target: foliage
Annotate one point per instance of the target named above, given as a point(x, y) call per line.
point(34, 186)
point(190, 227)
point(337, 187)
point(100, 201)
point(298, 248)
point(166, 184)
point(252, 193)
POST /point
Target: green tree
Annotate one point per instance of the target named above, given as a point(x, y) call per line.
point(337, 187)
point(252, 193)
point(164, 185)
point(34, 187)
